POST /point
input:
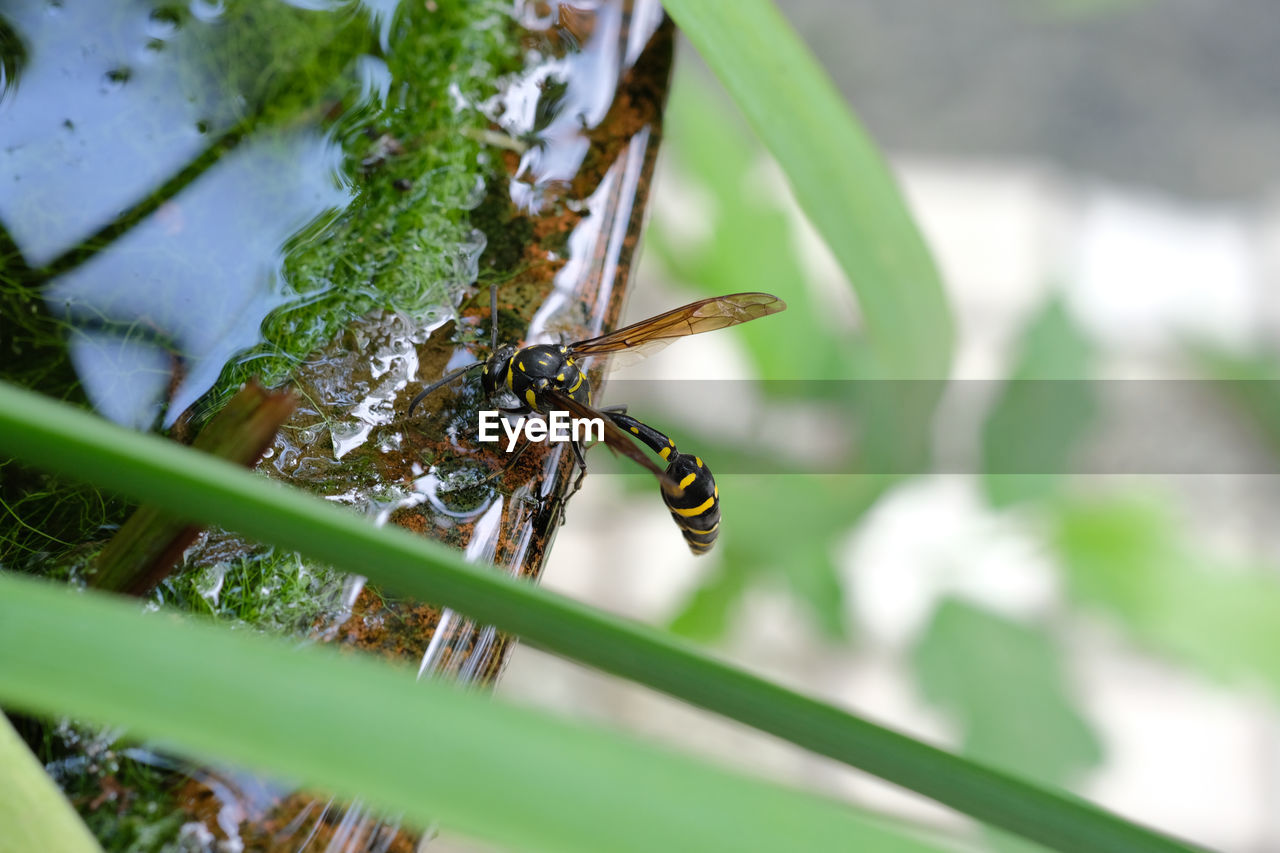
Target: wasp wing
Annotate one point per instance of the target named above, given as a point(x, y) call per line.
point(706, 315)
point(614, 437)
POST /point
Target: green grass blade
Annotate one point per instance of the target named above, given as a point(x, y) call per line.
point(838, 176)
point(358, 727)
point(33, 813)
point(57, 436)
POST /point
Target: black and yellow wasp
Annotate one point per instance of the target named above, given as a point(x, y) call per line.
point(547, 377)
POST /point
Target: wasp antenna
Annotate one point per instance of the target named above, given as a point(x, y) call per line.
point(493, 317)
point(448, 377)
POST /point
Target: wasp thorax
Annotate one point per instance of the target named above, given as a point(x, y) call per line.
point(531, 371)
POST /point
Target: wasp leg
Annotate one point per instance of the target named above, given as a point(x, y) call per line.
point(581, 460)
point(578, 454)
point(551, 513)
point(510, 462)
point(620, 409)
point(524, 445)
point(493, 318)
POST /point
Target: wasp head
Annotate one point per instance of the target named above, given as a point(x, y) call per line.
point(495, 370)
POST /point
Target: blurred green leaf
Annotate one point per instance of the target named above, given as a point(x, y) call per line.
point(783, 526)
point(1130, 557)
point(1250, 384)
point(1053, 347)
point(789, 525)
point(815, 580)
point(787, 528)
point(749, 244)
point(839, 178)
point(707, 613)
point(1002, 681)
point(34, 815)
point(1042, 413)
point(426, 748)
point(894, 423)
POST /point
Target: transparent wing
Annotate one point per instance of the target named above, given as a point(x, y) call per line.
point(648, 336)
point(614, 437)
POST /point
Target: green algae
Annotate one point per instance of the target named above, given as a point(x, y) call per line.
point(127, 804)
point(275, 592)
point(404, 243)
point(44, 518)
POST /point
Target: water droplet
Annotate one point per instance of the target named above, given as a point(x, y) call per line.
point(316, 5)
point(115, 79)
point(347, 436)
point(538, 14)
point(375, 79)
point(476, 195)
point(467, 260)
point(163, 22)
point(209, 583)
point(207, 10)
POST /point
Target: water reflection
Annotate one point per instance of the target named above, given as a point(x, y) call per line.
point(99, 121)
point(199, 275)
point(139, 194)
point(558, 102)
point(13, 58)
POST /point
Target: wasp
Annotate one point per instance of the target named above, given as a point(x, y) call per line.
point(549, 377)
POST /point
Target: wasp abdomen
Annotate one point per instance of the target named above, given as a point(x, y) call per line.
point(696, 507)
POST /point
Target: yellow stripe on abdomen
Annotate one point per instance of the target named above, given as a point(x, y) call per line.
point(697, 510)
